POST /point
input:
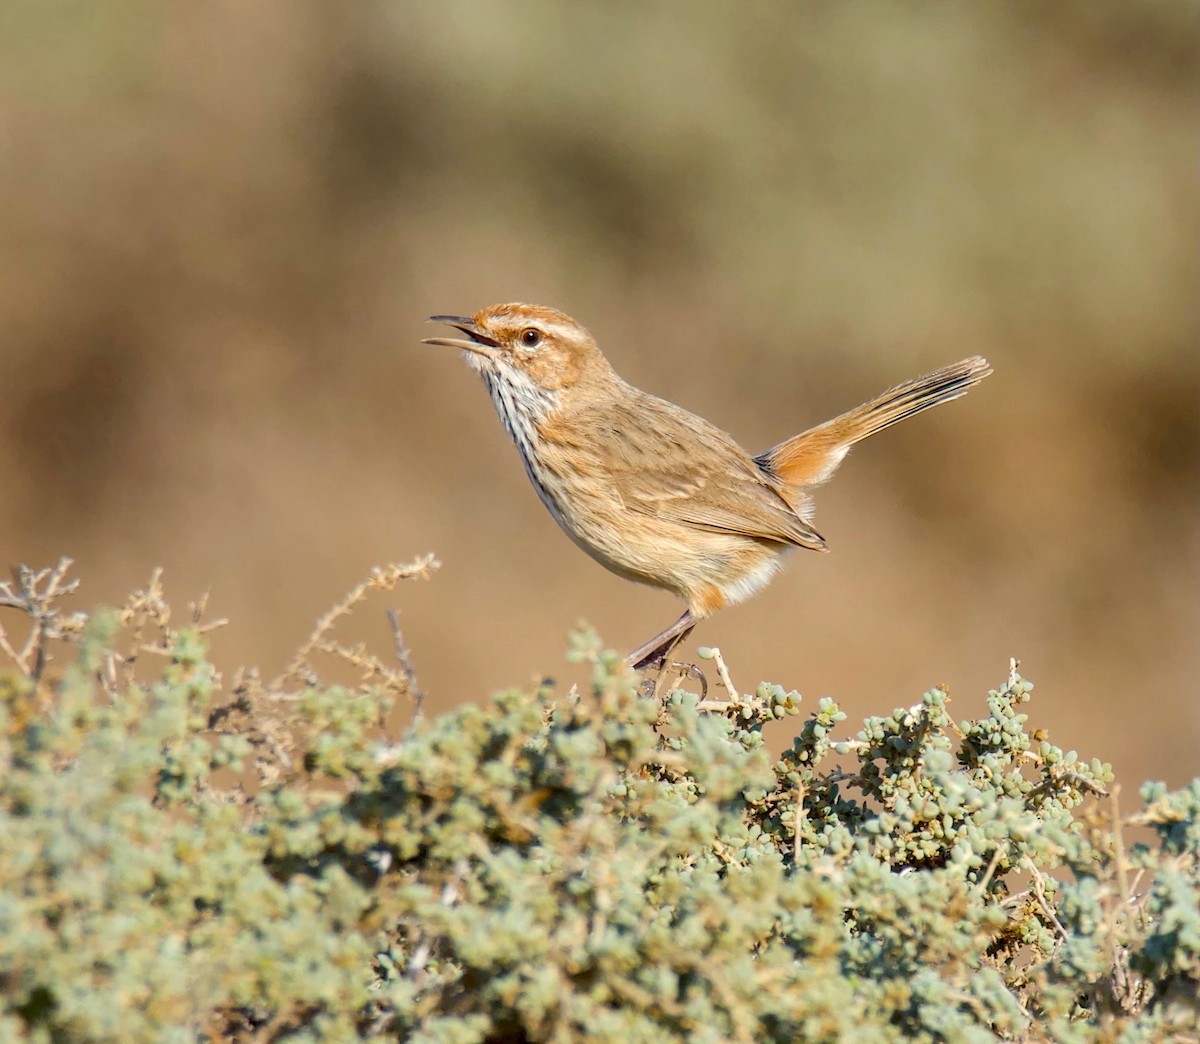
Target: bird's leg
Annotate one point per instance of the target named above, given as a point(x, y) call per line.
point(654, 653)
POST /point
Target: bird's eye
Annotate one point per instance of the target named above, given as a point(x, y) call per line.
point(531, 337)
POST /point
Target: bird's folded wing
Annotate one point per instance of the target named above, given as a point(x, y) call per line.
point(669, 464)
point(735, 503)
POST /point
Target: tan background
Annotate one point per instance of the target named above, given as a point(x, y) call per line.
point(221, 225)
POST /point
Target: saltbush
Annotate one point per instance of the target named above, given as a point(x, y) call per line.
point(183, 859)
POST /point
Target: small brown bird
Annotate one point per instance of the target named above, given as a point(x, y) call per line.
point(652, 492)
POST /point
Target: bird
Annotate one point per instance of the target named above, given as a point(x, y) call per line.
point(654, 493)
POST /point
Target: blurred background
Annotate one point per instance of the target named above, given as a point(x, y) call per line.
point(223, 224)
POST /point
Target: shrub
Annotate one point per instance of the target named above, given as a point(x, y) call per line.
point(184, 860)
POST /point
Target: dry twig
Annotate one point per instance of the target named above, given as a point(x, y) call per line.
point(385, 578)
point(1039, 893)
point(35, 593)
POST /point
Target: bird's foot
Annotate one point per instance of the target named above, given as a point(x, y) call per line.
point(655, 677)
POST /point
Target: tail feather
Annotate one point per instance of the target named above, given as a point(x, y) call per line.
point(809, 458)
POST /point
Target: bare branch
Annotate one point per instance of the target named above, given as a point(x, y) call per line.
point(35, 593)
point(405, 658)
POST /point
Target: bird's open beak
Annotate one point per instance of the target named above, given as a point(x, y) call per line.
point(479, 342)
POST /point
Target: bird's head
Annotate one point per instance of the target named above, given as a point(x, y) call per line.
point(522, 342)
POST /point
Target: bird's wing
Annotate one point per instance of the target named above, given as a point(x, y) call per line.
point(670, 464)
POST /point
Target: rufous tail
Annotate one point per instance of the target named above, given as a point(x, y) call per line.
point(809, 458)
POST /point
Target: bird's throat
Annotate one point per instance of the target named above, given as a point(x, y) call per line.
point(521, 403)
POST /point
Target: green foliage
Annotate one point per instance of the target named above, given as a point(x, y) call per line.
point(589, 865)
